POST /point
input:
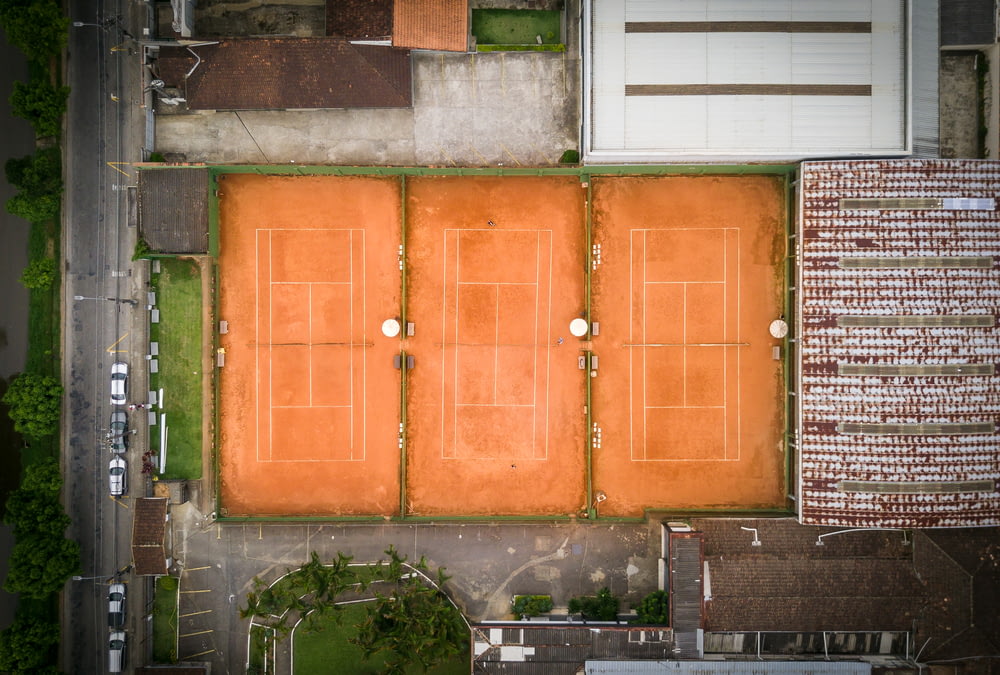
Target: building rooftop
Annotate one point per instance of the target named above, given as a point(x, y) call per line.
point(359, 19)
point(149, 526)
point(441, 25)
point(898, 390)
point(288, 73)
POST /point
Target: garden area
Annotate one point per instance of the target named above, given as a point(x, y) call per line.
point(517, 30)
point(179, 336)
point(165, 620)
point(389, 616)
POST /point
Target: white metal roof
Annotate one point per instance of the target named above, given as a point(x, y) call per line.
point(859, 43)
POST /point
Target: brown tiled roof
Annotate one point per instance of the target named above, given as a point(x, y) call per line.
point(441, 25)
point(173, 209)
point(913, 447)
point(286, 73)
point(149, 527)
point(359, 19)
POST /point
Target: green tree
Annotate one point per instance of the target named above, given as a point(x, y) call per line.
point(26, 645)
point(35, 402)
point(37, 209)
point(41, 104)
point(600, 607)
point(30, 513)
point(654, 609)
point(37, 28)
point(40, 565)
point(37, 174)
point(415, 623)
point(39, 273)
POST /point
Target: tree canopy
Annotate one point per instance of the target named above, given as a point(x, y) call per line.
point(38, 28)
point(40, 564)
point(39, 273)
point(41, 104)
point(26, 645)
point(600, 607)
point(35, 402)
point(654, 609)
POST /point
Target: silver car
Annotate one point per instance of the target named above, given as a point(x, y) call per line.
point(117, 476)
point(118, 432)
point(119, 383)
point(116, 605)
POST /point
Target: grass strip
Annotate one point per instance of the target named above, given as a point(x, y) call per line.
point(516, 26)
point(179, 335)
point(328, 649)
point(165, 620)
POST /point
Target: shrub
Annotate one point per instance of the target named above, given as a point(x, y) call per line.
point(600, 607)
point(570, 157)
point(654, 609)
point(35, 402)
point(531, 605)
point(142, 250)
point(39, 273)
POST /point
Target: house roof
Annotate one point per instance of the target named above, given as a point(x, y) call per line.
point(968, 23)
point(173, 209)
point(441, 25)
point(149, 527)
point(359, 19)
point(898, 340)
point(288, 73)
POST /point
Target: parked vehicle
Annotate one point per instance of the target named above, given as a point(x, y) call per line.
point(117, 644)
point(117, 476)
point(119, 383)
point(116, 606)
point(118, 432)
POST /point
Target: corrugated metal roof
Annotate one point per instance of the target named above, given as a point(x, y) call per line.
point(728, 667)
point(861, 110)
point(828, 291)
point(924, 70)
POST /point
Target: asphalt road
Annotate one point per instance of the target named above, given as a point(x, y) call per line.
point(100, 139)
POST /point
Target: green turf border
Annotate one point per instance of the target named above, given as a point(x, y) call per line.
point(585, 174)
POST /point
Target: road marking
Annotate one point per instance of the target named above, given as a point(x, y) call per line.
point(204, 611)
point(112, 349)
point(119, 501)
point(191, 656)
point(201, 632)
point(114, 165)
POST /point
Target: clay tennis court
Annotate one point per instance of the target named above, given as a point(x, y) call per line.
point(495, 400)
point(688, 397)
point(310, 409)
point(686, 394)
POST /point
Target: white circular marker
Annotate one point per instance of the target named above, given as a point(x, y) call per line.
point(390, 328)
point(578, 327)
point(778, 328)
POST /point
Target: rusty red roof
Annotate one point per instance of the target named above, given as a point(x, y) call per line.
point(898, 390)
point(441, 25)
point(287, 73)
point(149, 528)
point(359, 19)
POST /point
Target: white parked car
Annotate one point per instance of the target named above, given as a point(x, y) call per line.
point(116, 651)
point(116, 605)
point(118, 432)
point(117, 476)
point(119, 383)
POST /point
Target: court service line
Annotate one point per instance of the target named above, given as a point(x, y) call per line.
point(350, 331)
point(645, 443)
point(548, 351)
point(534, 337)
point(496, 343)
point(725, 337)
point(739, 382)
point(364, 353)
point(256, 337)
point(310, 350)
point(684, 351)
point(270, 333)
point(631, 322)
point(496, 283)
point(458, 277)
point(444, 334)
point(495, 405)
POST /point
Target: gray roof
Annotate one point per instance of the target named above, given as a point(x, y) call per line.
point(728, 667)
point(173, 209)
point(968, 22)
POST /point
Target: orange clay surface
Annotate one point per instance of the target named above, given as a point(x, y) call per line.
point(495, 421)
point(688, 398)
point(309, 415)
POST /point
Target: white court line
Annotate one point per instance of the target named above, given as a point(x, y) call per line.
point(350, 331)
point(444, 333)
point(496, 343)
point(548, 350)
point(270, 352)
point(364, 352)
point(681, 283)
point(494, 405)
point(684, 351)
point(310, 343)
point(534, 339)
point(685, 407)
point(645, 428)
point(631, 314)
point(725, 335)
point(256, 337)
point(310, 283)
point(458, 265)
point(739, 383)
point(284, 407)
point(495, 283)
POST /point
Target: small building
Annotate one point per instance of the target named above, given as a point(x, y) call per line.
point(150, 556)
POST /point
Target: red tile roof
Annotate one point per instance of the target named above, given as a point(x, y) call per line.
point(917, 473)
point(359, 19)
point(288, 73)
point(149, 528)
point(441, 25)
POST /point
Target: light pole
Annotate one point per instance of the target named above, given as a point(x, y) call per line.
point(128, 301)
point(906, 540)
point(756, 539)
point(99, 576)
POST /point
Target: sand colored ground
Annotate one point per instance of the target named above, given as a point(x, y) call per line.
point(309, 414)
point(688, 399)
point(495, 403)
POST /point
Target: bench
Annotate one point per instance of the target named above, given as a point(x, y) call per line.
point(151, 298)
point(154, 316)
point(151, 418)
point(223, 327)
point(595, 328)
point(154, 348)
point(776, 353)
point(220, 357)
point(410, 329)
point(154, 365)
point(152, 398)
